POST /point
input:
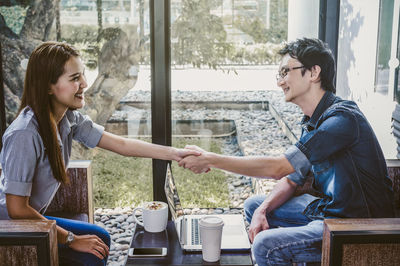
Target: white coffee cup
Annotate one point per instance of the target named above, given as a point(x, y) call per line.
point(155, 216)
point(211, 235)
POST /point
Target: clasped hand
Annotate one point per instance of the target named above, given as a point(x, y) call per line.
point(196, 163)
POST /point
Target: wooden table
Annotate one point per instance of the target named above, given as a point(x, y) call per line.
point(176, 256)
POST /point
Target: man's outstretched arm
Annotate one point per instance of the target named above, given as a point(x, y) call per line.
point(257, 166)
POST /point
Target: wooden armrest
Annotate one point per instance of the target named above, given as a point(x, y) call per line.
point(28, 242)
point(75, 198)
point(393, 166)
point(361, 241)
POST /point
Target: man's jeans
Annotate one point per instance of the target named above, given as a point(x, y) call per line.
point(292, 236)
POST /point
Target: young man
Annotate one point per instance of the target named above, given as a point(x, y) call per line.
point(337, 146)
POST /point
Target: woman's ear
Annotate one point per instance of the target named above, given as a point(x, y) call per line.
point(50, 91)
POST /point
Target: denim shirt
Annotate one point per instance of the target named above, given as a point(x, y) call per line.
point(26, 168)
point(339, 147)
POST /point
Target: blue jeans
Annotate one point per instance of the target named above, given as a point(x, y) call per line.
point(68, 256)
point(292, 236)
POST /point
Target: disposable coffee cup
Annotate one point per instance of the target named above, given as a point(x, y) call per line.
point(211, 235)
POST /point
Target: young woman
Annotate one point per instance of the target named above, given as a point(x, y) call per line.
point(37, 148)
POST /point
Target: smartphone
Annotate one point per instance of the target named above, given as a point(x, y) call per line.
point(147, 252)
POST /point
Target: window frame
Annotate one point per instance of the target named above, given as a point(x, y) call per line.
point(160, 54)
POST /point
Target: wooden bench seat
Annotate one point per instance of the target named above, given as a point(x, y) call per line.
point(34, 242)
point(361, 242)
point(365, 242)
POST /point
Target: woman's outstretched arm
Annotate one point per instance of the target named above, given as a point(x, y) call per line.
point(138, 148)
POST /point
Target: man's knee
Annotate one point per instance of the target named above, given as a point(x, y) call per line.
point(265, 248)
point(264, 241)
point(262, 247)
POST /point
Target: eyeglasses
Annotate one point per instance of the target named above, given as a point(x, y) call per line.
point(285, 70)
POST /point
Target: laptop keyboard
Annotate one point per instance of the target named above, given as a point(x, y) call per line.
point(196, 240)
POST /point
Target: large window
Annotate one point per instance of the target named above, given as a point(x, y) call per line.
point(223, 67)
point(113, 38)
point(221, 61)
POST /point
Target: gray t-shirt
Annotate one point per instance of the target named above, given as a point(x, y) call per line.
point(26, 170)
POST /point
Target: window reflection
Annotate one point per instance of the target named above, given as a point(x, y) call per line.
point(222, 51)
point(384, 46)
point(112, 36)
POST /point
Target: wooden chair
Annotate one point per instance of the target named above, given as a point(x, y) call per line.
point(34, 242)
point(28, 242)
point(75, 201)
point(362, 241)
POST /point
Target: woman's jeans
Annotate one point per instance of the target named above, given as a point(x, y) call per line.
point(68, 256)
point(292, 236)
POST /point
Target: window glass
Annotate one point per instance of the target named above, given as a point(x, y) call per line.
point(113, 39)
point(384, 46)
point(223, 61)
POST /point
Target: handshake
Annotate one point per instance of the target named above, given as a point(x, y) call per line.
point(194, 158)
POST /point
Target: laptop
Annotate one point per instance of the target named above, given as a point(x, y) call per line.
point(234, 234)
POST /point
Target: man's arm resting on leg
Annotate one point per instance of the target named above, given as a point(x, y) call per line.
point(282, 191)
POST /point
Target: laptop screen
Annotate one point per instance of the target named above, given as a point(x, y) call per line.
point(171, 193)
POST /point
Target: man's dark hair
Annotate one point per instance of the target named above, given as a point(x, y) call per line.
point(311, 52)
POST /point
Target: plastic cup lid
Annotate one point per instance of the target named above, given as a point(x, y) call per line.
point(211, 222)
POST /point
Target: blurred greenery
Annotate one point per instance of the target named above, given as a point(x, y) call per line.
point(79, 33)
point(277, 31)
point(199, 38)
point(208, 190)
point(14, 17)
point(121, 181)
point(15, 2)
point(259, 54)
point(84, 38)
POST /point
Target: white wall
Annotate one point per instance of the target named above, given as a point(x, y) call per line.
point(356, 63)
point(358, 33)
point(303, 19)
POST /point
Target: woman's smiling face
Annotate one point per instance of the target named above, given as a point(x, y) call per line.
point(68, 92)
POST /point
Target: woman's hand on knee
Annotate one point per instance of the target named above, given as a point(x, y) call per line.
point(90, 244)
point(258, 223)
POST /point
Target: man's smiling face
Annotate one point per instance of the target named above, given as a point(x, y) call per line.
point(293, 83)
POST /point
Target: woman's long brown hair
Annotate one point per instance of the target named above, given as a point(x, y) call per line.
point(45, 66)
